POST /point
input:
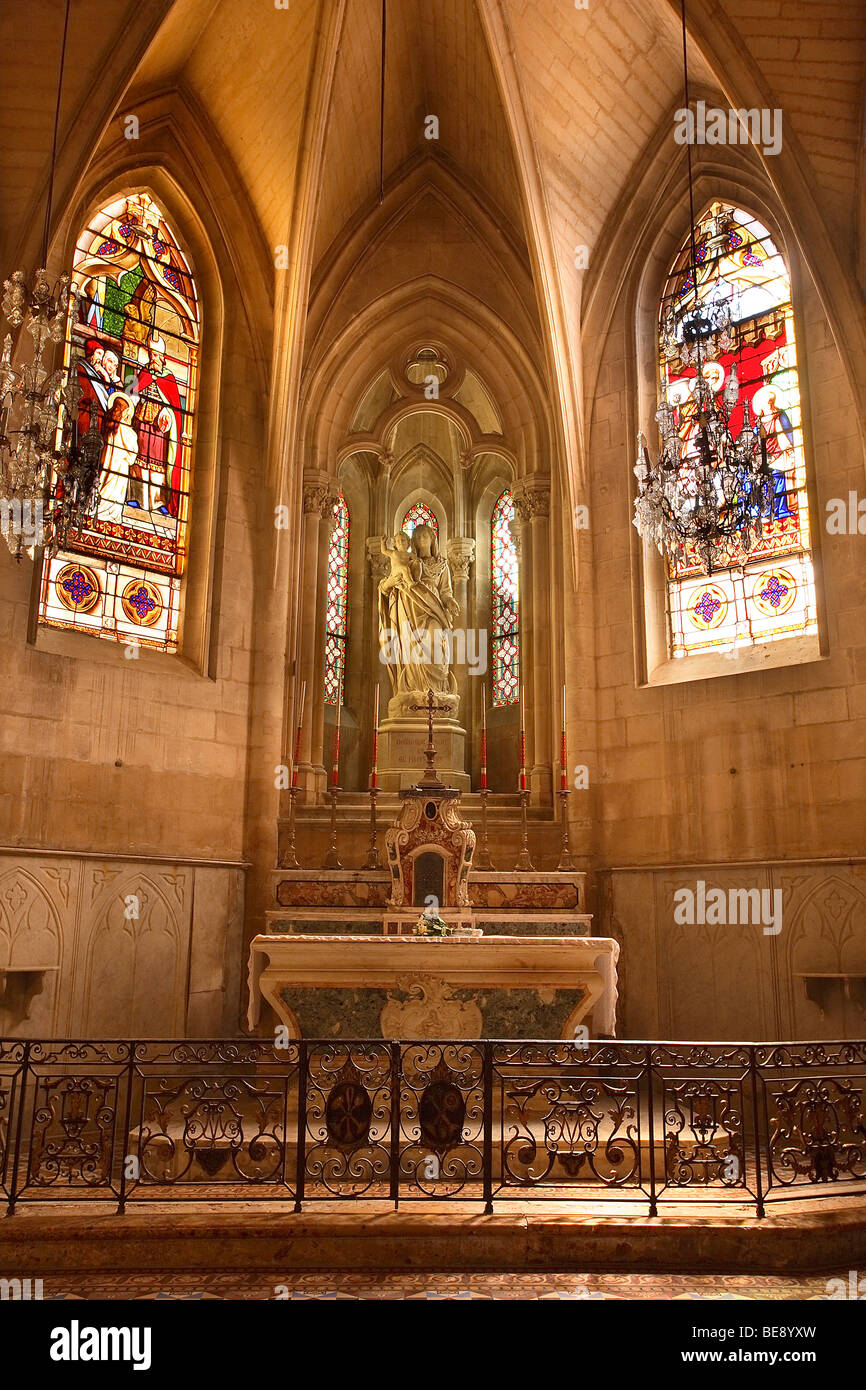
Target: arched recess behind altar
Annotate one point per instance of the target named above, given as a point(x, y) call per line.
point(485, 428)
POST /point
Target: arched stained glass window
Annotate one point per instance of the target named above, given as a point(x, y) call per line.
point(743, 283)
point(505, 604)
point(132, 338)
point(337, 603)
point(419, 514)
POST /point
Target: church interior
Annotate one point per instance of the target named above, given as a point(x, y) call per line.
point(432, 658)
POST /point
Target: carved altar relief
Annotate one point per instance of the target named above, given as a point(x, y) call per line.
point(429, 1011)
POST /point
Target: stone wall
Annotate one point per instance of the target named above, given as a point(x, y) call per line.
point(736, 980)
point(126, 948)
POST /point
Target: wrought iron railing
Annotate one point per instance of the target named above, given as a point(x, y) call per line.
point(487, 1121)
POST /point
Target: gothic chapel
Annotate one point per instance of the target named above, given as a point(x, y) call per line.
point(432, 655)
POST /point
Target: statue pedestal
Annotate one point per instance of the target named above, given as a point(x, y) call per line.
point(401, 752)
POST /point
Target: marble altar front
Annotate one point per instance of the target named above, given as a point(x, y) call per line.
point(356, 986)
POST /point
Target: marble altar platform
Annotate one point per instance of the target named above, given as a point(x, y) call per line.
point(366, 986)
point(505, 903)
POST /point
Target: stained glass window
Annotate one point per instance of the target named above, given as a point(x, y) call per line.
point(132, 338)
point(419, 514)
point(769, 592)
point(505, 604)
point(337, 599)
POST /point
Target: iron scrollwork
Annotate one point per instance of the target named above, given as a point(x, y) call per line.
point(817, 1131)
point(236, 1119)
point(441, 1118)
point(348, 1120)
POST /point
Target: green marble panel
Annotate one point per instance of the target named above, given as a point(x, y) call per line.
point(352, 927)
point(280, 926)
point(336, 1013)
point(520, 927)
point(354, 1013)
point(519, 1013)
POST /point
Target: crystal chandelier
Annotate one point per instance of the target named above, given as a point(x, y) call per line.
point(709, 492)
point(47, 474)
point(690, 328)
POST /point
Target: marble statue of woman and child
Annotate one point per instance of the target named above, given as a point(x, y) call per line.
point(417, 613)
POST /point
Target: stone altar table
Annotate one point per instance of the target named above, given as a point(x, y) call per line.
point(415, 987)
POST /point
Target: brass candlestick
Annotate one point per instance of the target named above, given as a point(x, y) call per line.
point(332, 859)
point(482, 855)
point(291, 858)
point(566, 858)
point(523, 860)
point(373, 861)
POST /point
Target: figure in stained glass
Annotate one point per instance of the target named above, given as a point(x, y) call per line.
point(158, 422)
point(118, 457)
point(132, 340)
point(745, 321)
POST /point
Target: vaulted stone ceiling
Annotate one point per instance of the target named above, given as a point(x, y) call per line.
point(595, 83)
point(812, 57)
point(437, 63)
point(106, 42)
point(590, 86)
point(247, 65)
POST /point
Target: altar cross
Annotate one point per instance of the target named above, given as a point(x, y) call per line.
point(431, 776)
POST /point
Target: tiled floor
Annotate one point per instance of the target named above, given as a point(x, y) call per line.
point(437, 1286)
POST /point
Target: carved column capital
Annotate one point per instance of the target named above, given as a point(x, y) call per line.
point(532, 498)
point(461, 553)
point(320, 493)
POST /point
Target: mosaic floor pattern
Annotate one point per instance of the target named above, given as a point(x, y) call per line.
point(413, 1286)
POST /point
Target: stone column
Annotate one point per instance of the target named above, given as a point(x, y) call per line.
point(532, 505)
point(379, 565)
point(461, 553)
point(320, 494)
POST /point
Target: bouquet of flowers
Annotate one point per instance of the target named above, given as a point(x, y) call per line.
point(431, 924)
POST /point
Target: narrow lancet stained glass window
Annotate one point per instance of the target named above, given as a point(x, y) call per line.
point(419, 514)
point(768, 592)
point(337, 603)
point(505, 604)
point(132, 338)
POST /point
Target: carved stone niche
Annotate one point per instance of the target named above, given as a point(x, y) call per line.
point(429, 851)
